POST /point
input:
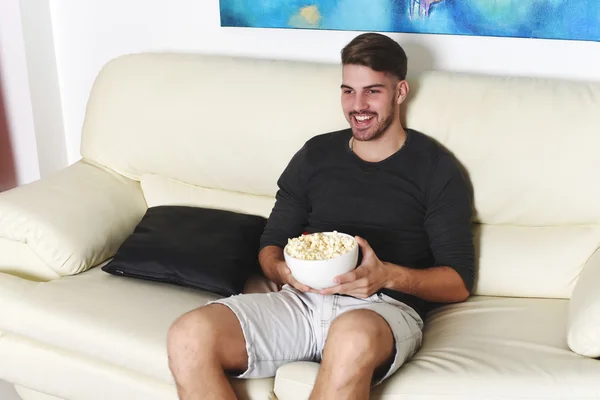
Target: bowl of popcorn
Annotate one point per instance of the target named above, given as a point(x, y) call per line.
point(315, 259)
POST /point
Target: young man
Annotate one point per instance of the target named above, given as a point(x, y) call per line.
point(409, 206)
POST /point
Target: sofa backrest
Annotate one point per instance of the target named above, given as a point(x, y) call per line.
point(530, 145)
point(215, 122)
point(229, 124)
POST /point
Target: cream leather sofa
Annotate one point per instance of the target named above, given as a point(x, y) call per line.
point(217, 132)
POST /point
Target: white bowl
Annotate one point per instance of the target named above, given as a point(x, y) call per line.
point(319, 274)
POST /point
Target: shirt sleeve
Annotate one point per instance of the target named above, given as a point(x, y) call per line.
point(289, 216)
point(448, 220)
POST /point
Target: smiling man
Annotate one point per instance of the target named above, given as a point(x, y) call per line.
point(406, 201)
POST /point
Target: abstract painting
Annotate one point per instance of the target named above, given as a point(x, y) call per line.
point(548, 19)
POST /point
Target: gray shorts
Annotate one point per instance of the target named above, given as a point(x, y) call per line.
point(289, 325)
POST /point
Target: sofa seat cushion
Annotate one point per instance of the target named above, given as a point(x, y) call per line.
point(70, 375)
point(500, 348)
point(120, 321)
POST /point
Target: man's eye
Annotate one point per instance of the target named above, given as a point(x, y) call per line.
point(373, 91)
point(347, 91)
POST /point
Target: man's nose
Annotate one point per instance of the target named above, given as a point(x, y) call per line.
point(360, 103)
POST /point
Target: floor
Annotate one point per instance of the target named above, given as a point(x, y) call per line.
point(7, 392)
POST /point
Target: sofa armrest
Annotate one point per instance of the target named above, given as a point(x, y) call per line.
point(583, 335)
point(73, 220)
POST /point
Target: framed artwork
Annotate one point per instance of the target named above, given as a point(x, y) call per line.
point(546, 19)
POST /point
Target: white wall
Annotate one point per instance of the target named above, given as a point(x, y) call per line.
point(89, 33)
point(16, 93)
point(43, 85)
point(30, 89)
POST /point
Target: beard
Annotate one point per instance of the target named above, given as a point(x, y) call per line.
point(376, 131)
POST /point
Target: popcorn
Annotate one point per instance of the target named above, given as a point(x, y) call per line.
point(319, 246)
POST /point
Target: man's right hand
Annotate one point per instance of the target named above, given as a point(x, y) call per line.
point(286, 276)
point(274, 267)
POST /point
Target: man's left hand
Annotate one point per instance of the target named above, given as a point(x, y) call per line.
point(366, 279)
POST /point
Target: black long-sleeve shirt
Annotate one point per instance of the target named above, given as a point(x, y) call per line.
point(414, 208)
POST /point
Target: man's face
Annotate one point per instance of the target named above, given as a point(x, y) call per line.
point(369, 101)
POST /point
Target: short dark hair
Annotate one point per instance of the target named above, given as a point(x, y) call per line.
point(378, 52)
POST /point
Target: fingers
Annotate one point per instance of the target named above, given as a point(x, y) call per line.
point(332, 290)
point(364, 246)
point(356, 288)
point(289, 278)
point(301, 287)
point(345, 278)
point(345, 283)
point(354, 275)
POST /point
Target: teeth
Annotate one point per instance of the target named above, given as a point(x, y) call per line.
point(362, 117)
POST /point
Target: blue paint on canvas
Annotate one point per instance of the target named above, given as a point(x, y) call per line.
point(550, 19)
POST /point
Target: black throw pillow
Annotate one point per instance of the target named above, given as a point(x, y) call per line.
point(213, 250)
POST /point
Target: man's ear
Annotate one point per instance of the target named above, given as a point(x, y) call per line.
point(402, 90)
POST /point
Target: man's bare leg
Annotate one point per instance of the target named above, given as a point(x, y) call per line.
point(202, 344)
point(358, 343)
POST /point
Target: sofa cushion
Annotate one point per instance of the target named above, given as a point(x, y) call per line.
point(532, 261)
point(156, 107)
point(72, 220)
point(210, 249)
point(529, 144)
point(17, 258)
point(96, 330)
point(120, 321)
point(161, 191)
point(501, 348)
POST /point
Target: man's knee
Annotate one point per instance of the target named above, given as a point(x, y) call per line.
point(362, 335)
point(191, 324)
point(210, 333)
